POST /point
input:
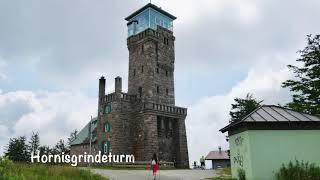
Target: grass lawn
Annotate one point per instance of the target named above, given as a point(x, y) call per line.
point(17, 171)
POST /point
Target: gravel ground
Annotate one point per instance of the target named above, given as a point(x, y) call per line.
point(162, 174)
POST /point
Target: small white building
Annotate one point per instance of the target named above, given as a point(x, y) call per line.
point(219, 159)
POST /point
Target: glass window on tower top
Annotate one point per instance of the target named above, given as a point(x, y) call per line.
point(149, 16)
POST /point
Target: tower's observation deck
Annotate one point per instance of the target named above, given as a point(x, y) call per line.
point(149, 16)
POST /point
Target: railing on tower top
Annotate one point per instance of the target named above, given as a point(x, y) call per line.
point(165, 108)
point(148, 106)
point(124, 96)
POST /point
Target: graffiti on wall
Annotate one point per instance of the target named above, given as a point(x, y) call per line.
point(238, 158)
point(239, 140)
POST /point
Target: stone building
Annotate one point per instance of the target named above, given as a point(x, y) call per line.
point(144, 120)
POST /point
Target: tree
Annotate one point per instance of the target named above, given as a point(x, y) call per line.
point(17, 149)
point(45, 150)
point(60, 147)
point(306, 85)
point(73, 136)
point(243, 107)
point(34, 143)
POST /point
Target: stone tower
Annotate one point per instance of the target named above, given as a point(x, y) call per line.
point(145, 120)
point(151, 65)
point(151, 77)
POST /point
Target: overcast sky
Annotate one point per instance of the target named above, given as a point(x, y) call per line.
point(53, 52)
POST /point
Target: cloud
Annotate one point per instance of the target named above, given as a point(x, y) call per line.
point(3, 64)
point(84, 39)
point(3, 132)
point(74, 39)
point(53, 114)
point(207, 116)
point(230, 38)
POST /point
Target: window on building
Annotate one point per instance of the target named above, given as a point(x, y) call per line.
point(109, 107)
point(140, 91)
point(107, 127)
point(102, 109)
point(158, 90)
point(166, 41)
point(167, 73)
point(141, 69)
point(157, 70)
point(106, 147)
point(134, 72)
point(167, 91)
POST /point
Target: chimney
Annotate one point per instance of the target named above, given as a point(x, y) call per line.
point(102, 92)
point(219, 149)
point(102, 87)
point(118, 84)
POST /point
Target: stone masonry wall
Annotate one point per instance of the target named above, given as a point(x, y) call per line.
point(183, 157)
point(151, 65)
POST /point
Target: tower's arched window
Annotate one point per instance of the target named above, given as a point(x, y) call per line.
point(102, 109)
point(167, 91)
point(104, 147)
point(141, 69)
point(107, 127)
point(109, 107)
point(158, 89)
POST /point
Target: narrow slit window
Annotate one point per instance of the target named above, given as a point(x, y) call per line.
point(140, 91)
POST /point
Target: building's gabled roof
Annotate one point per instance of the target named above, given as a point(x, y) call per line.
point(83, 137)
point(214, 155)
point(275, 114)
point(149, 5)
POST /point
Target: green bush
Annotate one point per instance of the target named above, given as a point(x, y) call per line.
point(19, 171)
point(298, 171)
point(241, 174)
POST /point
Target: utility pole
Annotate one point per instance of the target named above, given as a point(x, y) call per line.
point(90, 138)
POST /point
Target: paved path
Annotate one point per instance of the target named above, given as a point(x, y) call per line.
point(147, 175)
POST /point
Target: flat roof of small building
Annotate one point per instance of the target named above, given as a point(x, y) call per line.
point(149, 5)
point(266, 116)
point(218, 155)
